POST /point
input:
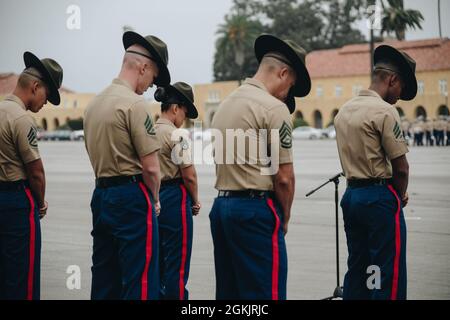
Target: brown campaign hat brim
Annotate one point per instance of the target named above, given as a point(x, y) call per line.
point(192, 112)
point(31, 61)
point(130, 38)
point(267, 43)
point(385, 52)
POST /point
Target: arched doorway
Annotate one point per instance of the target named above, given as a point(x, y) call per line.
point(56, 123)
point(400, 111)
point(318, 123)
point(420, 111)
point(44, 124)
point(333, 115)
point(298, 115)
point(443, 111)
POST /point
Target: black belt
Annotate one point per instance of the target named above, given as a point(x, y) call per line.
point(171, 182)
point(361, 183)
point(117, 181)
point(258, 194)
point(13, 185)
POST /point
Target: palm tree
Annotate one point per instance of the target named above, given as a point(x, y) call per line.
point(235, 43)
point(396, 19)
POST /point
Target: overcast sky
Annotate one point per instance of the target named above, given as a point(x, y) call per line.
point(91, 55)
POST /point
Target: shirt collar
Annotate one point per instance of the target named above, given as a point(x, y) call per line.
point(122, 83)
point(368, 93)
point(256, 83)
point(17, 100)
point(165, 121)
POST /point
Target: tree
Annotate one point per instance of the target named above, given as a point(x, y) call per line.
point(300, 22)
point(397, 19)
point(313, 25)
point(234, 58)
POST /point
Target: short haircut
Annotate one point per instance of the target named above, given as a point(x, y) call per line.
point(276, 60)
point(28, 76)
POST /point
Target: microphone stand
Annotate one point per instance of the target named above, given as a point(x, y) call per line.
point(338, 292)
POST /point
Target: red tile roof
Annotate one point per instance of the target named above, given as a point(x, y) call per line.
point(354, 60)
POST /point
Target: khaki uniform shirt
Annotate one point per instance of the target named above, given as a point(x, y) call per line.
point(437, 125)
point(405, 126)
point(118, 130)
point(251, 107)
point(18, 139)
point(368, 136)
point(175, 152)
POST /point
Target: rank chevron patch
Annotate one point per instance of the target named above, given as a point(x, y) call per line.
point(286, 136)
point(149, 126)
point(32, 137)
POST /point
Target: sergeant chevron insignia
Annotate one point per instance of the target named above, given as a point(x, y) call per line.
point(32, 137)
point(149, 126)
point(286, 136)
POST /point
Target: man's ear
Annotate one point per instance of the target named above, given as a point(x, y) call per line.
point(142, 68)
point(34, 87)
point(284, 73)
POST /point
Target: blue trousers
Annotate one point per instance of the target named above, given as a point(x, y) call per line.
point(250, 255)
point(376, 236)
point(20, 246)
point(175, 241)
point(125, 252)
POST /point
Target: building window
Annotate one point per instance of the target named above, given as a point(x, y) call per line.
point(75, 104)
point(338, 91)
point(213, 96)
point(356, 89)
point(443, 87)
point(420, 87)
point(319, 91)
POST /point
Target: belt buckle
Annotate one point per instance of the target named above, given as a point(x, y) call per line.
point(133, 179)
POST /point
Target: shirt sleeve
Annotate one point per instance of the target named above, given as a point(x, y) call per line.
point(142, 129)
point(25, 137)
point(392, 139)
point(182, 148)
point(280, 120)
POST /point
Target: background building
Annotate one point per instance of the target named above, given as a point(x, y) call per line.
point(337, 75)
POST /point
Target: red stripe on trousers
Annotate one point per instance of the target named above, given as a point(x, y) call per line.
point(397, 246)
point(275, 251)
point(148, 244)
point(32, 245)
point(184, 243)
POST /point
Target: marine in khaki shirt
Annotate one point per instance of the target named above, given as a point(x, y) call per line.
point(252, 141)
point(251, 107)
point(18, 138)
point(179, 189)
point(123, 149)
point(22, 178)
point(372, 151)
point(118, 130)
point(369, 137)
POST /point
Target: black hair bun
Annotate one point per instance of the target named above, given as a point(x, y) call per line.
point(161, 95)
